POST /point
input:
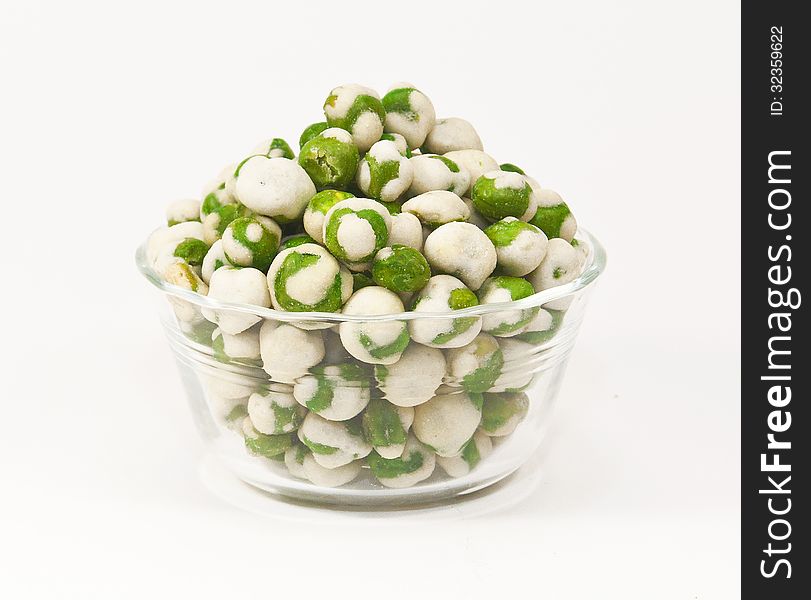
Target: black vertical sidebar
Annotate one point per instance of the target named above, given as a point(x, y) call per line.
point(776, 439)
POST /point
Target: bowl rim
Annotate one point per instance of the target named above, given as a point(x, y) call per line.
point(595, 265)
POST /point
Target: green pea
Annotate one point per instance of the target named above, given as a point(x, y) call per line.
point(268, 445)
point(361, 280)
point(192, 250)
point(296, 240)
point(389, 468)
point(550, 218)
point(376, 222)
point(326, 199)
point(503, 233)
point(329, 162)
point(401, 269)
point(248, 243)
point(311, 131)
point(381, 424)
point(496, 203)
point(499, 409)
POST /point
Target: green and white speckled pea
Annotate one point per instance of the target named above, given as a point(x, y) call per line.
point(384, 173)
point(501, 413)
point(446, 422)
point(333, 443)
point(355, 229)
point(358, 110)
point(409, 113)
point(240, 286)
point(561, 264)
point(275, 341)
point(437, 208)
point(441, 294)
point(543, 327)
point(461, 249)
point(274, 148)
point(386, 427)
point(330, 159)
point(335, 392)
point(374, 342)
point(317, 209)
point(307, 278)
point(273, 187)
point(435, 172)
point(414, 378)
point(251, 242)
point(520, 246)
point(191, 250)
point(517, 372)
point(267, 446)
point(553, 216)
point(219, 218)
point(451, 134)
point(477, 366)
point(241, 347)
point(416, 464)
point(164, 241)
point(213, 260)
point(178, 272)
point(275, 413)
point(399, 142)
point(311, 131)
point(181, 211)
point(499, 194)
point(475, 162)
point(506, 323)
point(473, 452)
point(400, 269)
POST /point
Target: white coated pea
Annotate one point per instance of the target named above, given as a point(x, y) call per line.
point(333, 443)
point(274, 187)
point(451, 134)
point(324, 477)
point(478, 448)
point(162, 242)
point(358, 110)
point(502, 413)
point(276, 341)
point(384, 173)
point(416, 464)
point(241, 286)
point(240, 346)
point(335, 392)
point(214, 259)
point(434, 172)
point(374, 342)
point(409, 113)
point(476, 162)
point(181, 211)
point(446, 423)
point(294, 460)
point(355, 229)
point(274, 413)
point(520, 246)
point(406, 230)
point(476, 366)
point(437, 208)
point(561, 264)
point(414, 378)
point(444, 293)
point(463, 250)
point(519, 360)
point(307, 278)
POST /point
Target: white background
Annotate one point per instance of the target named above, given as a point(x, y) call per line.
point(631, 110)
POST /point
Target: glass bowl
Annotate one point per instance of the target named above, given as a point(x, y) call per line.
point(259, 396)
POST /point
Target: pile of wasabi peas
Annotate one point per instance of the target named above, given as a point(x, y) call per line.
point(385, 209)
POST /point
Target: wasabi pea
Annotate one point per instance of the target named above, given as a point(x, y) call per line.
point(178, 272)
point(452, 134)
point(220, 218)
point(192, 251)
point(432, 172)
point(274, 413)
point(260, 444)
point(274, 148)
point(520, 246)
point(506, 323)
point(276, 341)
point(228, 387)
point(409, 113)
point(406, 230)
point(358, 110)
point(181, 211)
point(414, 378)
point(251, 242)
point(475, 217)
point(499, 194)
point(361, 280)
point(334, 392)
point(400, 269)
point(291, 241)
point(324, 477)
point(213, 260)
point(317, 209)
point(241, 346)
point(399, 142)
point(384, 173)
point(445, 423)
point(477, 366)
point(475, 162)
point(330, 159)
point(311, 131)
point(307, 278)
point(294, 460)
point(444, 293)
point(386, 427)
point(241, 286)
point(520, 359)
point(463, 250)
point(333, 443)
point(543, 327)
point(501, 413)
point(437, 208)
point(416, 464)
point(273, 187)
point(561, 264)
point(355, 229)
point(511, 168)
point(553, 216)
point(163, 242)
point(474, 451)
point(374, 342)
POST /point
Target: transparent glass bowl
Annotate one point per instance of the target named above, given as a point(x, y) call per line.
point(514, 399)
